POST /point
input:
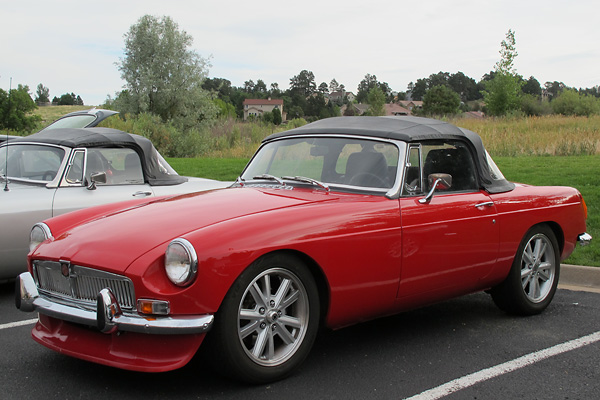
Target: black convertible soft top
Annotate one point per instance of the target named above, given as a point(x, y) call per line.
point(155, 174)
point(407, 129)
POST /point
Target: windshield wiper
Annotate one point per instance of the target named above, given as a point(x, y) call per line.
point(307, 180)
point(270, 178)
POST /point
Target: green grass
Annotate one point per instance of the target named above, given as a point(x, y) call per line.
point(223, 169)
point(576, 171)
point(580, 172)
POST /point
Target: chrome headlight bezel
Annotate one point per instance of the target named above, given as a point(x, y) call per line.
point(39, 233)
point(181, 262)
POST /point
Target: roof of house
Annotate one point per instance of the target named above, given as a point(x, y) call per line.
point(395, 109)
point(263, 102)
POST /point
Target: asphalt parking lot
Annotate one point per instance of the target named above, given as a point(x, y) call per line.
point(460, 349)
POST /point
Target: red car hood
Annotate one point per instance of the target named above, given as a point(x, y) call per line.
point(114, 240)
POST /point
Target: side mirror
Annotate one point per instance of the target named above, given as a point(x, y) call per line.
point(96, 177)
point(440, 181)
point(437, 182)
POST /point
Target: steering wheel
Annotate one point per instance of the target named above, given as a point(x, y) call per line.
point(367, 179)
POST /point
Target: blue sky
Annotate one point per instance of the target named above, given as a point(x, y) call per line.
point(72, 46)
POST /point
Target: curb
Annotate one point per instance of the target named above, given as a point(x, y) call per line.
point(580, 278)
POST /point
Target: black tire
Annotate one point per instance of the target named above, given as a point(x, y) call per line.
point(268, 321)
point(531, 283)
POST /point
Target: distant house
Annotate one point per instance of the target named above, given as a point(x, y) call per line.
point(410, 104)
point(256, 107)
point(338, 96)
point(396, 109)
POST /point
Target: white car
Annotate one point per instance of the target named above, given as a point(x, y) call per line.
point(64, 169)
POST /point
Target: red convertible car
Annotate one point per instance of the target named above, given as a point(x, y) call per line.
point(330, 224)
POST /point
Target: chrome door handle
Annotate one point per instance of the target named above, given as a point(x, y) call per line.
point(486, 204)
point(142, 194)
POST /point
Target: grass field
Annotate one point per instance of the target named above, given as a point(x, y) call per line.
point(580, 172)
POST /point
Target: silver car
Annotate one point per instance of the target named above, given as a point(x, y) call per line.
point(64, 169)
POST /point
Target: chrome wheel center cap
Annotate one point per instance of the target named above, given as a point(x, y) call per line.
point(272, 316)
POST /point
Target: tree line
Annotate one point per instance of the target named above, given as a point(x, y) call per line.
point(165, 78)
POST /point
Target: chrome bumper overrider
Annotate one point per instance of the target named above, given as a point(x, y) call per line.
point(584, 239)
point(107, 317)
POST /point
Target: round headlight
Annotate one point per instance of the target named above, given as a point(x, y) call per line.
point(38, 234)
point(181, 262)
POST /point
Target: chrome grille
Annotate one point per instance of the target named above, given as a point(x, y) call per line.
point(81, 284)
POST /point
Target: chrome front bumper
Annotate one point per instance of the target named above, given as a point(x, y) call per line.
point(107, 317)
point(584, 239)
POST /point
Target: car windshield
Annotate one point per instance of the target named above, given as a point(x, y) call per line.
point(31, 162)
point(73, 121)
point(337, 161)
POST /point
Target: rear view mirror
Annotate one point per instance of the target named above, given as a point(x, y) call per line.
point(319, 151)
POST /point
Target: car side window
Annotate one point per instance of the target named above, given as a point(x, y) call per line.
point(37, 163)
point(448, 157)
point(453, 158)
point(75, 172)
point(412, 173)
point(121, 165)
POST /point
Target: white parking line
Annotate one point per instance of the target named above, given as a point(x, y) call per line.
point(504, 368)
point(19, 323)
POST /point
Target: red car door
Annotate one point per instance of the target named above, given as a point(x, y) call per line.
point(449, 241)
point(448, 244)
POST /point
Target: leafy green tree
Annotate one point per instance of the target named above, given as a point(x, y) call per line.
point(163, 75)
point(554, 88)
point(369, 82)
point(303, 83)
point(466, 87)
point(42, 94)
point(334, 86)
point(260, 87)
point(15, 109)
point(441, 100)
point(531, 105)
point(502, 93)
point(376, 100)
point(439, 79)
point(570, 102)
point(418, 89)
point(277, 119)
point(532, 87)
point(314, 105)
point(274, 91)
point(323, 88)
point(226, 110)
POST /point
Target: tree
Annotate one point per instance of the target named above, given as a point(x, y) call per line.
point(441, 100)
point(42, 94)
point(466, 87)
point(323, 88)
point(554, 88)
point(369, 82)
point(376, 101)
point(277, 118)
point(163, 76)
point(502, 93)
point(439, 79)
point(532, 87)
point(334, 86)
point(571, 102)
point(303, 83)
point(15, 107)
point(417, 90)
